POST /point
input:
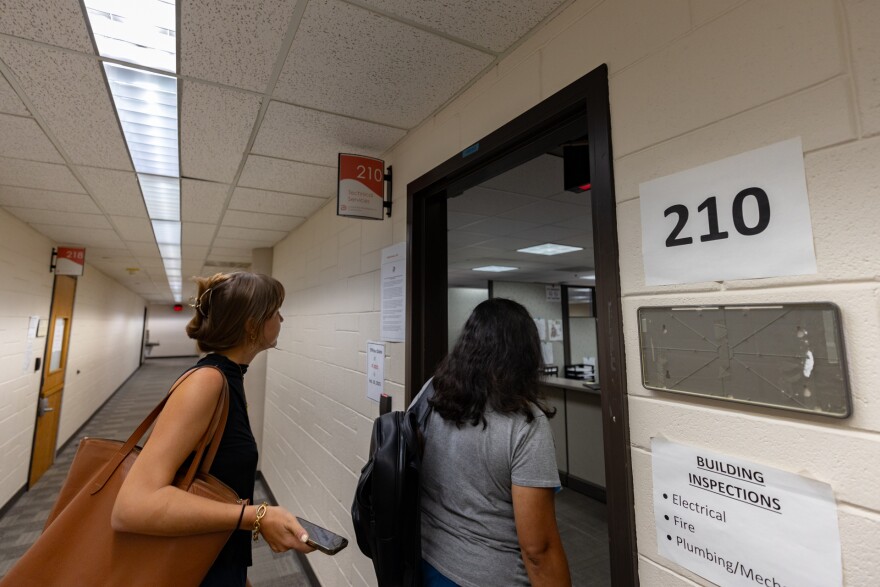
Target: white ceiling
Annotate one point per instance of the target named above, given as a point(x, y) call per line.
point(270, 92)
point(523, 207)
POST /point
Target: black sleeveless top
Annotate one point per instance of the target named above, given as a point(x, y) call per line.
point(236, 460)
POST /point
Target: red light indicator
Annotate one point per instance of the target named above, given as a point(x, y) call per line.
point(178, 307)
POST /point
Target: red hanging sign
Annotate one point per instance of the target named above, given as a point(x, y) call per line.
point(361, 190)
point(70, 261)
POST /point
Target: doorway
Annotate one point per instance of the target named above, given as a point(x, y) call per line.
point(52, 387)
point(578, 113)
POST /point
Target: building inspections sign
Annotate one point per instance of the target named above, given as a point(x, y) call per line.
point(361, 190)
point(740, 523)
point(743, 217)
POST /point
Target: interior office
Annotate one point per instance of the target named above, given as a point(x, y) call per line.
point(690, 83)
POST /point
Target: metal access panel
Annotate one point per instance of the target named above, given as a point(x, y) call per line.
point(788, 356)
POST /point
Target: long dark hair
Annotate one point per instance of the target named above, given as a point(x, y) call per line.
point(494, 363)
point(224, 304)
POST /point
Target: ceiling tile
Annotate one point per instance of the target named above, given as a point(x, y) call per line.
point(232, 42)
point(238, 255)
point(541, 177)
point(46, 200)
point(202, 201)
point(549, 233)
point(265, 221)
point(302, 134)
point(88, 237)
point(215, 126)
point(487, 202)
point(117, 192)
point(134, 229)
point(457, 239)
point(583, 223)
point(339, 47)
point(231, 243)
point(56, 22)
point(579, 198)
point(458, 219)
point(23, 138)
point(69, 93)
point(496, 25)
point(144, 251)
point(33, 174)
point(289, 176)
point(546, 212)
point(10, 103)
point(112, 255)
point(195, 253)
point(269, 237)
point(248, 199)
point(197, 234)
point(34, 216)
point(499, 226)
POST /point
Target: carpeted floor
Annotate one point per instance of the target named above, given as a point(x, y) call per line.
point(23, 521)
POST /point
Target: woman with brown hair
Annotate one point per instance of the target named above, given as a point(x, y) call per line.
point(237, 315)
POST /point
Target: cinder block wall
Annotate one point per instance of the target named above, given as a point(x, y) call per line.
point(25, 290)
point(691, 82)
point(104, 345)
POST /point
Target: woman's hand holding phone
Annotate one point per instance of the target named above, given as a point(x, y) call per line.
point(282, 531)
point(323, 539)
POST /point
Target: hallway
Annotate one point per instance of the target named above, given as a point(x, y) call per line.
point(22, 523)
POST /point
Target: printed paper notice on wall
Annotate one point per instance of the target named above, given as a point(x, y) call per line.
point(375, 369)
point(743, 217)
point(740, 523)
point(392, 318)
point(361, 190)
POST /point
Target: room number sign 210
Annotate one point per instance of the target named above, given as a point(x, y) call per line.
point(710, 206)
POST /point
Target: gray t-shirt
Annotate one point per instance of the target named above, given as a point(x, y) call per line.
point(468, 530)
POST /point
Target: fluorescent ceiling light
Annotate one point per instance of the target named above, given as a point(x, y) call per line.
point(549, 249)
point(141, 32)
point(147, 107)
point(162, 197)
point(494, 268)
point(588, 275)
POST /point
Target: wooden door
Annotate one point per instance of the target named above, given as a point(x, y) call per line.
point(54, 366)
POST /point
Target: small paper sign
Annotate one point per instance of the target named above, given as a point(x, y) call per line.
point(70, 261)
point(375, 369)
point(361, 191)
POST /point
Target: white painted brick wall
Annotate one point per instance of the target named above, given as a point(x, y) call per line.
point(104, 345)
point(25, 290)
point(691, 82)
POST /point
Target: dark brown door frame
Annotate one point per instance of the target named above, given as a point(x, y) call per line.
point(427, 282)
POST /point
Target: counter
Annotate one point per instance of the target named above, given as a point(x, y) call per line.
point(577, 433)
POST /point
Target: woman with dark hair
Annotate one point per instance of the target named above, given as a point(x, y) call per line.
point(237, 315)
point(489, 472)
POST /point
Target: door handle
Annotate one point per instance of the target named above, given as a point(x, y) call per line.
point(43, 407)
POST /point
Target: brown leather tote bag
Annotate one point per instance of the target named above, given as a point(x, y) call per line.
point(79, 548)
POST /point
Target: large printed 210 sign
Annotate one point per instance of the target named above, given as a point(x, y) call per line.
point(743, 217)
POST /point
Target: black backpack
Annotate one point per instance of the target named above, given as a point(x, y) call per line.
point(385, 511)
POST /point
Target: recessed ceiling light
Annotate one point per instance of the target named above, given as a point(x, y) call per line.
point(587, 275)
point(495, 268)
point(549, 249)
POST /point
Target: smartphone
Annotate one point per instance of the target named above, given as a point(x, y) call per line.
point(323, 539)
